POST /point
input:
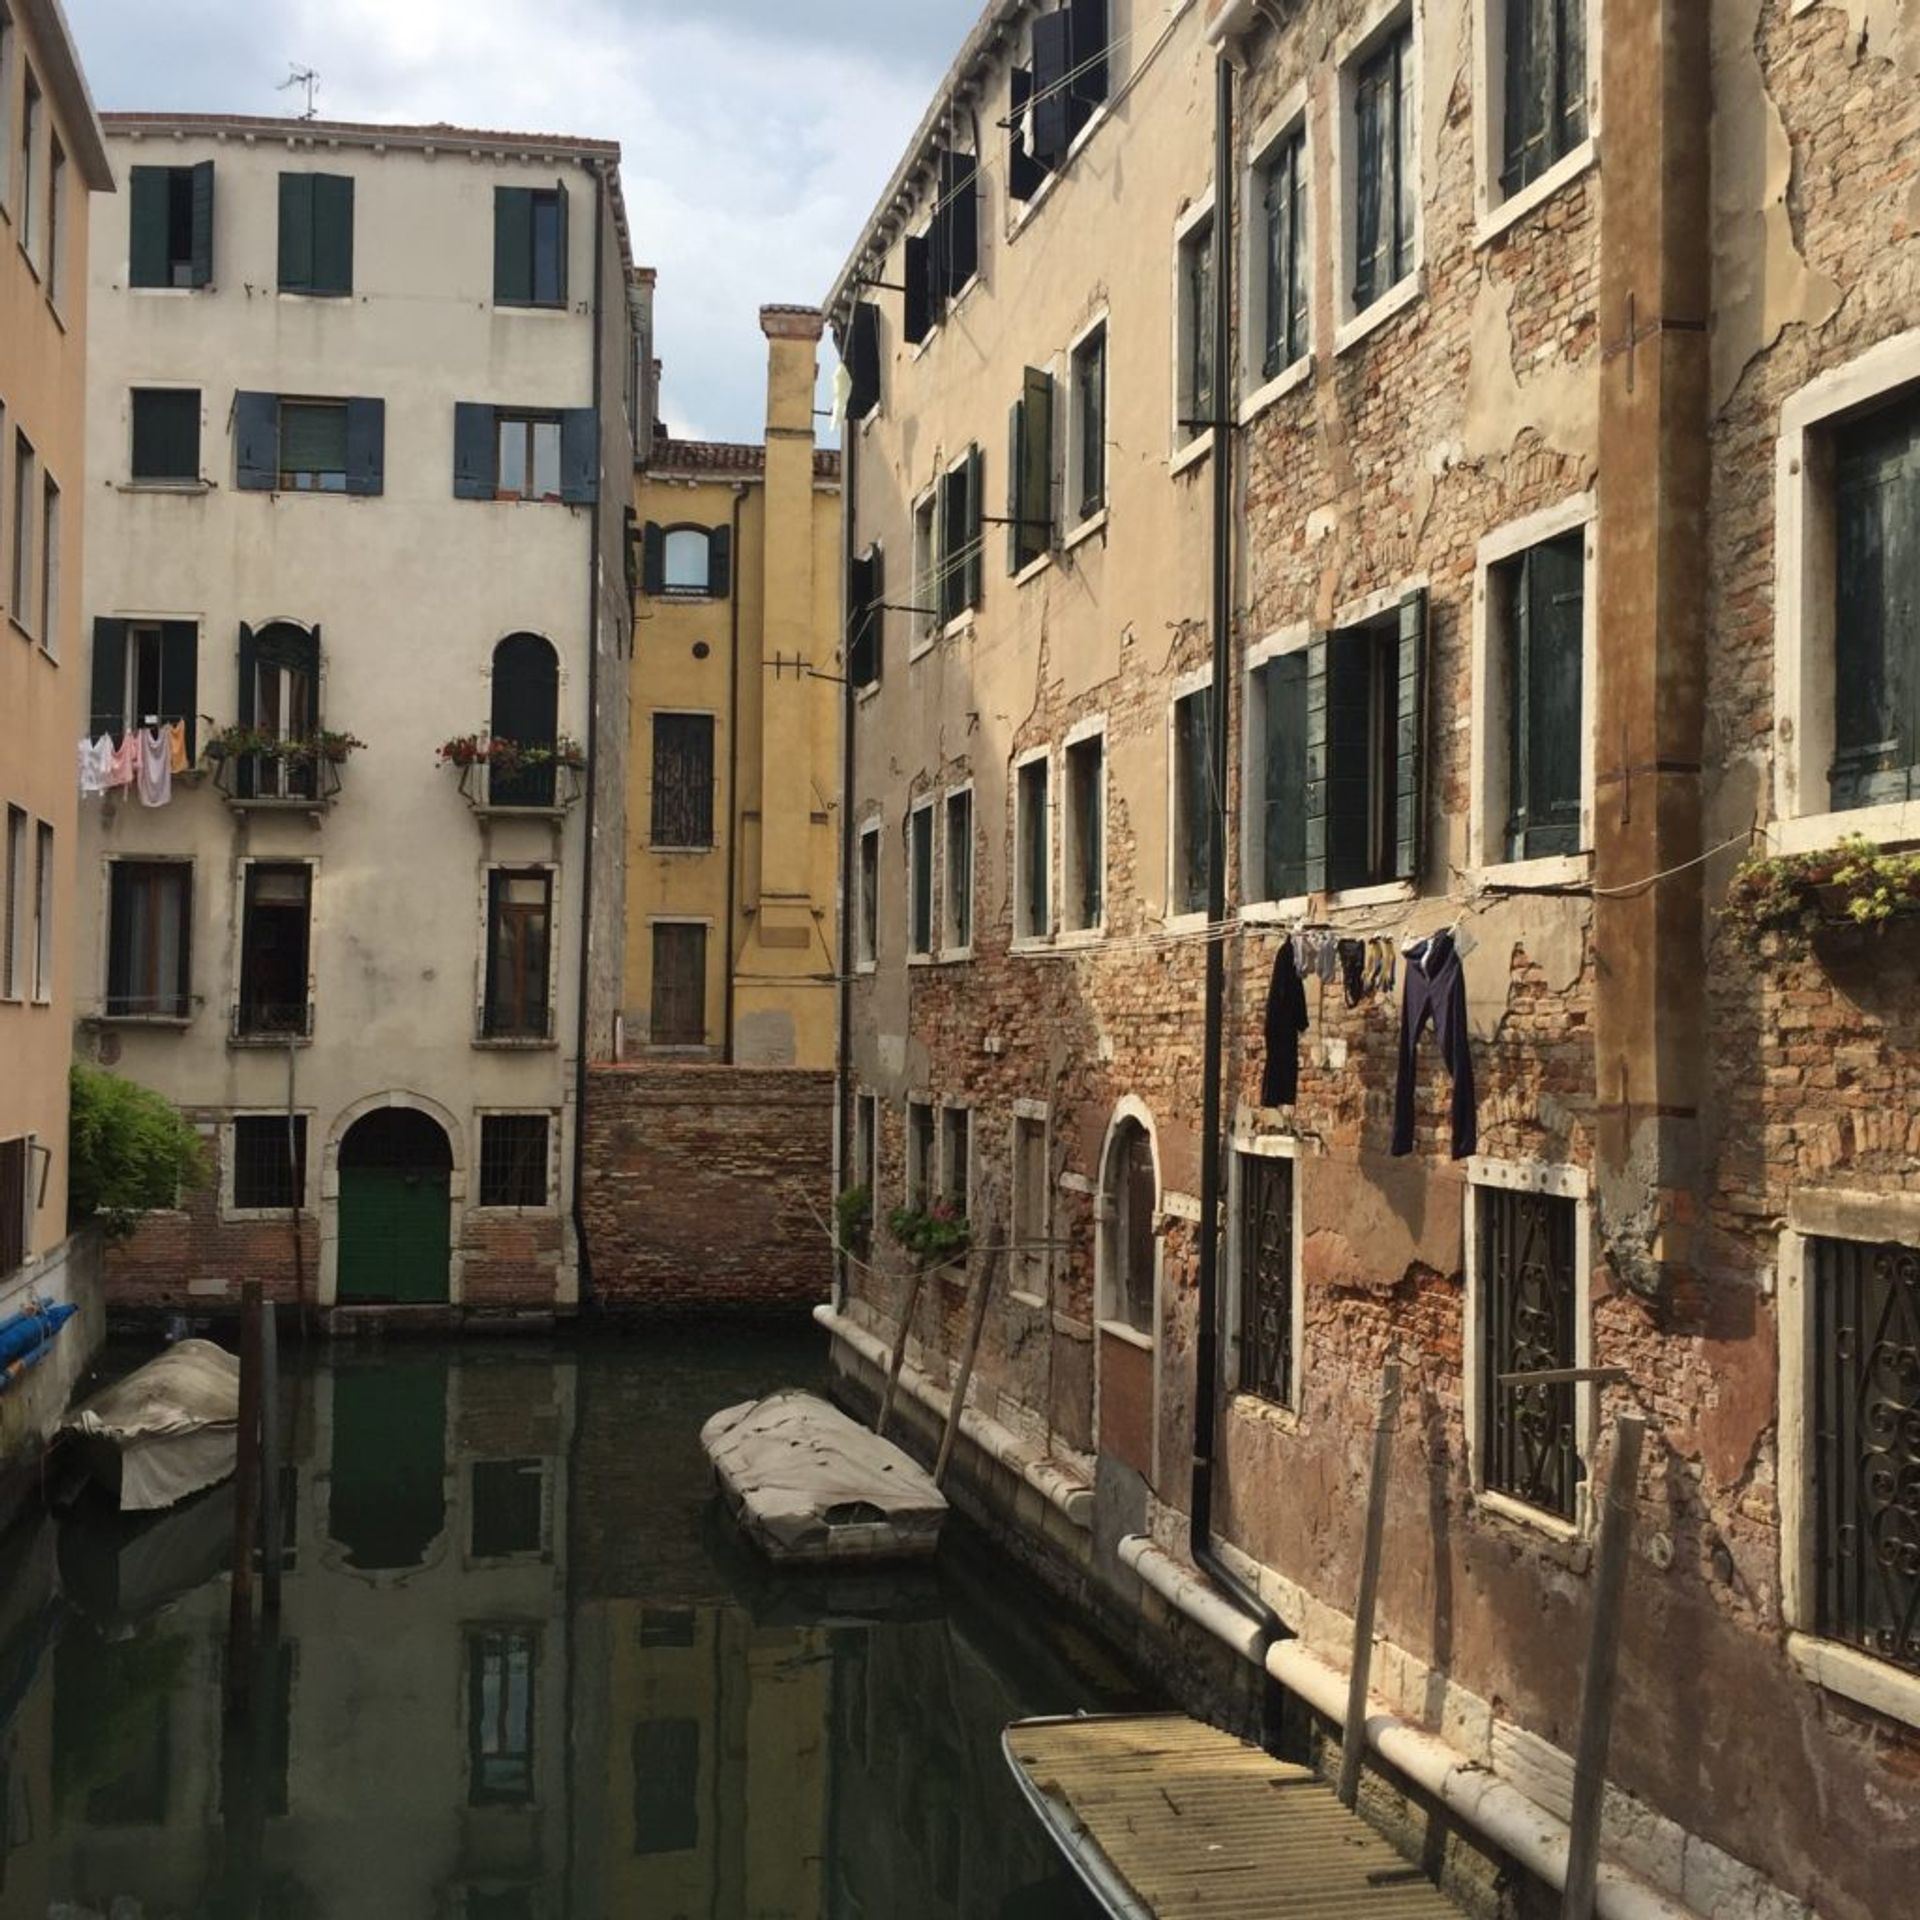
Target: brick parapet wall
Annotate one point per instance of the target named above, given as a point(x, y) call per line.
point(708, 1187)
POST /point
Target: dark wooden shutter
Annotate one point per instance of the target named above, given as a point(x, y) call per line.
point(296, 232)
point(149, 191)
point(246, 767)
point(560, 243)
point(1544, 597)
point(863, 360)
point(202, 275)
point(1317, 789)
point(1410, 711)
point(960, 205)
point(916, 316)
point(1352, 766)
point(580, 455)
point(179, 677)
point(512, 246)
point(525, 706)
point(1030, 471)
point(475, 450)
point(974, 478)
point(1024, 172)
point(366, 446)
point(1016, 468)
point(1087, 53)
point(653, 570)
point(307, 651)
point(108, 700)
point(1052, 125)
point(864, 589)
point(720, 562)
point(332, 233)
point(256, 441)
point(1284, 789)
point(949, 506)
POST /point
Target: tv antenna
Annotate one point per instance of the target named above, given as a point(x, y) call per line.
point(302, 77)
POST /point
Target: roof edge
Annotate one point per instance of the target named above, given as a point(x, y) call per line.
point(359, 133)
point(67, 81)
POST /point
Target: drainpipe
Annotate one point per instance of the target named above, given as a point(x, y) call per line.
point(583, 1258)
point(733, 750)
point(843, 1080)
point(1207, 1340)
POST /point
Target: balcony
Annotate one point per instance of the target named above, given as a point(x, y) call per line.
point(264, 1023)
point(262, 772)
point(505, 779)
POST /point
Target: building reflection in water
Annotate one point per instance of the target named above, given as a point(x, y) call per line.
point(523, 1671)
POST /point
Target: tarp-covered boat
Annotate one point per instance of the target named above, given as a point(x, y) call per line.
point(165, 1431)
point(809, 1484)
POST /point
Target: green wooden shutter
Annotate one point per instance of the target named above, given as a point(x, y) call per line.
point(960, 203)
point(108, 699)
point(149, 188)
point(653, 571)
point(332, 233)
point(1409, 788)
point(366, 445)
point(1359, 771)
point(512, 246)
point(975, 482)
point(1284, 788)
point(916, 320)
point(245, 703)
point(560, 243)
point(1052, 130)
point(296, 232)
point(179, 678)
point(1036, 475)
point(580, 455)
point(256, 441)
point(1314, 836)
point(1016, 469)
point(720, 562)
point(309, 655)
point(474, 451)
point(202, 275)
point(1087, 55)
point(863, 360)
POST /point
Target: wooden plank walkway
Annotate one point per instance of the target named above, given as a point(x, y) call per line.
point(1165, 1818)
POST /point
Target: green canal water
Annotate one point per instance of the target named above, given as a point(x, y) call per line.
point(523, 1670)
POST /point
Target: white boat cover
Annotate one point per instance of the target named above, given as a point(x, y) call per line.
point(811, 1484)
point(172, 1421)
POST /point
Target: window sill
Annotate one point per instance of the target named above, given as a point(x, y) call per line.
point(1269, 1413)
point(1021, 1297)
point(53, 307)
point(1194, 921)
point(314, 293)
point(1387, 893)
point(1890, 825)
point(1274, 913)
point(1395, 300)
point(51, 656)
point(536, 1207)
point(1131, 1335)
point(1857, 1676)
point(171, 291)
point(1031, 943)
point(1036, 567)
point(138, 485)
point(1096, 120)
point(862, 695)
point(1072, 938)
point(1282, 384)
point(514, 1043)
point(241, 1216)
point(33, 265)
point(1087, 528)
point(921, 645)
point(960, 627)
point(953, 956)
point(553, 309)
point(937, 326)
point(867, 967)
point(1544, 870)
point(171, 1022)
point(1192, 453)
point(20, 626)
point(1495, 220)
point(1503, 1506)
point(919, 959)
point(267, 1042)
point(664, 852)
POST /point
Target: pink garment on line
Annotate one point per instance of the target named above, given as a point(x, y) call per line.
point(123, 766)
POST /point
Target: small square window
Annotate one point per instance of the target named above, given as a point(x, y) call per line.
point(270, 1160)
point(527, 457)
point(513, 1159)
point(166, 433)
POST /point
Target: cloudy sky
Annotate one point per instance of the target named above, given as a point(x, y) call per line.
point(757, 134)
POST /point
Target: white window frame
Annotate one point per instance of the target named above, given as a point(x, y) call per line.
point(1259, 393)
point(1187, 446)
point(865, 961)
point(1296, 638)
point(1032, 1263)
point(1094, 727)
point(1489, 709)
point(946, 1188)
point(920, 1177)
point(1829, 1664)
point(1025, 942)
point(950, 948)
point(918, 956)
point(1264, 1146)
point(309, 1202)
point(925, 630)
point(551, 1203)
point(1352, 325)
point(1199, 680)
point(1565, 1183)
point(556, 908)
point(1803, 660)
point(1108, 1248)
point(1076, 526)
point(1494, 210)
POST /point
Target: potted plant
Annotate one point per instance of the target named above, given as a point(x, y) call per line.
point(936, 1234)
point(1852, 888)
point(853, 1215)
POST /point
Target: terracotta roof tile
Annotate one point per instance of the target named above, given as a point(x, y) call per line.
point(729, 456)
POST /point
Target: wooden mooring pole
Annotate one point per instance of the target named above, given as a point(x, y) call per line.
point(989, 1272)
point(246, 1505)
point(900, 1348)
point(1353, 1748)
point(1603, 1666)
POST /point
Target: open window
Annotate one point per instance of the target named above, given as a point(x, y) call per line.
point(298, 444)
point(867, 906)
point(1087, 426)
point(863, 360)
point(866, 630)
point(688, 562)
point(1030, 471)
point(1084, 852)
point(275, 937)
point(920, 881)
point(170, 226)
point(940, 261)
point(1194, 395)
point(960, 538)
point(545, 454)
point(1056, 92)
point(144, 670)
point(1033, 850)
point(956, 925)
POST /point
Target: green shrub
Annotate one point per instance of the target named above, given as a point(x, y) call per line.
point(129, 1151)
point(935, 1235)
point(854, 1212)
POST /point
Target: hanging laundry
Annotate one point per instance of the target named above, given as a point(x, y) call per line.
point(122, 766)
point(96, 763)
point(156, 766)
point(177, 746)
point(1353, 970)
point(1436, 991)
point(1286, 1022)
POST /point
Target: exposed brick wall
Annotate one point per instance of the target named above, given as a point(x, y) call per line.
point(708, 1186)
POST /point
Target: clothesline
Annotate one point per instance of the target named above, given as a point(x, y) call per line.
point(146, 760)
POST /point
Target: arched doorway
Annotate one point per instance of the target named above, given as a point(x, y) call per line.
point(526, 710)
point(1129, 1260)
point(396, 1177)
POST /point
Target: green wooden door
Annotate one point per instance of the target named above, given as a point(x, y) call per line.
point(394, 1239)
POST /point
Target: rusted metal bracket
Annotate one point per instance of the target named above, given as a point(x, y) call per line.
point(1636, 333)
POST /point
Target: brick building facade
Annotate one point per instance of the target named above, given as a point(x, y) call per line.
point(1562, 490)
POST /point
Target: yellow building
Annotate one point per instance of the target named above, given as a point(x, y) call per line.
point(52, 156)
point(731, 867)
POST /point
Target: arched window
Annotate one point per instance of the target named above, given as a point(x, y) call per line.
point(280, 697)
point(1130, 1198)
point(526, 710)
point(688, 560)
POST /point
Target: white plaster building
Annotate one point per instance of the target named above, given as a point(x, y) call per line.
point(361, 432)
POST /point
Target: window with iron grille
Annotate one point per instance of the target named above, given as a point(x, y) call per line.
point(500, 1671)
point(682, 780)
point(1866, 1446)
point(678, 1009)
point(269, 1160)
point(1529, 1299)
point(15, 1159)
point(1385, 167)
point(1546, 86)
point(513, 1159)
point(1266, 1278)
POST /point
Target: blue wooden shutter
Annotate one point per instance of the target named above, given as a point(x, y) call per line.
point(1315, 834)
point(366, 445)
point(1409, 788)
point(256, 441)
point(720, 562)
point(512, 246)
point(1024, 172)
point(109, 695)
point(475, 451)
point(148, 194)
point(1052, 132)
point(916, 320)
point(179, 677)
point(580, 455)
point(863, 360)
point(202, 275)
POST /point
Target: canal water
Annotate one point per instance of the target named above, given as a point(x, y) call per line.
point(524, 1671)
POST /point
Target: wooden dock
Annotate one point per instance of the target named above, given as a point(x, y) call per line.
point(1165, 1818)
